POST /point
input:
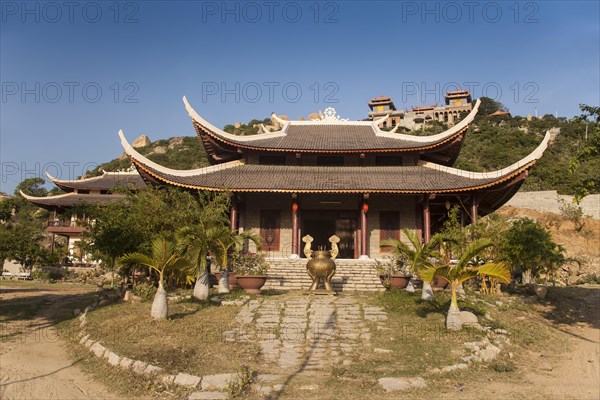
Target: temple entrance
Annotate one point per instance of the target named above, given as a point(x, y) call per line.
point(322, 224)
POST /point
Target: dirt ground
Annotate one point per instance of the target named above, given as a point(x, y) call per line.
point(34, 362)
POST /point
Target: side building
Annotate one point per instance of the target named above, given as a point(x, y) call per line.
point(92, 191)
point(457, 105)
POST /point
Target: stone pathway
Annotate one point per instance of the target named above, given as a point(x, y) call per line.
point(306, 332)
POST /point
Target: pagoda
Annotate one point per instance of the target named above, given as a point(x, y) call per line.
point(333, 176)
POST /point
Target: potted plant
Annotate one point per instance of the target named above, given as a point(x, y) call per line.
point(250, 271)
point(393, 273)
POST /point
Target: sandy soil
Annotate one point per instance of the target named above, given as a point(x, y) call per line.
point(35, 364)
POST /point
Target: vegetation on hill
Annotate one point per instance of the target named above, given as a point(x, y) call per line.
point(179, 152)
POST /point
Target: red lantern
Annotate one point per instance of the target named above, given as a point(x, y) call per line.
point(365, 207)
point(294, 206)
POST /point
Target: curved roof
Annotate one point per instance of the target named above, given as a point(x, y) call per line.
point(72, 200)
point(106, 181)
point(329, 136)
point(240, 177)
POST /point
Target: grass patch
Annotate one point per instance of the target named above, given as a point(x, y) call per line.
point(192, 340)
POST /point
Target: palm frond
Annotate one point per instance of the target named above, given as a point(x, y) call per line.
point(472, 250)
point(496, 270)
point(133, 259)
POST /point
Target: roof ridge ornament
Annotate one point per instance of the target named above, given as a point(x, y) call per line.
point(330, 115)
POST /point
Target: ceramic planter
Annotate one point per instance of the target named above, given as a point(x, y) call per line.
point(252, 284)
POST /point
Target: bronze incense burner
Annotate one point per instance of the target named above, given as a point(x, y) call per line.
point(321, 265)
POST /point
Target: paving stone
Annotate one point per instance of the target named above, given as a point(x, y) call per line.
point(187, 380)
point(269, 378)
point(398, 384)
point(208, 396)
point(218, 382)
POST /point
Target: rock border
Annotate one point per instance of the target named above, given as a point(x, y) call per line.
point(213, 386)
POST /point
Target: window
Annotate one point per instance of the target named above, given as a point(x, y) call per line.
point(271, 160)
point(269, 229)
point(330, 160)
point(389, 227)
point(388, 161)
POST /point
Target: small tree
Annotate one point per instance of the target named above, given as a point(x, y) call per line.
point(526, 246)
point(419, 256)
point(164, 258)
point(467, 267)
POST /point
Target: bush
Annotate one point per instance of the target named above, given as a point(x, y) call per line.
point(503, 366)
point(144, 290)
point(246, 264)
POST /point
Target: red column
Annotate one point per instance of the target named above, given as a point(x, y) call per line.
point(363, 228)
point(474, 208)
point(426, 220)
point(233, 216)
point(295, 252)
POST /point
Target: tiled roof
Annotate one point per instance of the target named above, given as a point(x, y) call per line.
point(283, 178)
point(106, 181)
point(73, 200)
point(331, 138)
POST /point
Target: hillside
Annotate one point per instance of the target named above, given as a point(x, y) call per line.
point(179, 152)
point(488, 145)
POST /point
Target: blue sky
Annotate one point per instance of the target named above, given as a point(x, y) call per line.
point(74, 73)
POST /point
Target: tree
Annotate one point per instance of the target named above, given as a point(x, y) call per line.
point(489, 106)
point(467, 267)
point(164, 258)
point(31, 187)
point(21, 243)
point(590, 151)
point(419, 256)
point(527, 245)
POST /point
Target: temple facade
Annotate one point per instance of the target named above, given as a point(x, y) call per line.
point(92, 191)
point(458, 103)
point(334, 176)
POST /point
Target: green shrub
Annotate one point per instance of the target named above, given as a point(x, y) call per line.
point(503, 366)
point(144, 290)
point(589, 278)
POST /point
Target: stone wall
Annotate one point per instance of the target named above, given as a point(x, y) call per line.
point(551, 201)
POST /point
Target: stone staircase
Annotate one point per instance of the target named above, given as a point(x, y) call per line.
point(350, 275)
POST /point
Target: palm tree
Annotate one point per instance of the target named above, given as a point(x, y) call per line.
point(221, 241)
point(462, 271)
point(164, 257)
point(194, 244)
point(419, 256)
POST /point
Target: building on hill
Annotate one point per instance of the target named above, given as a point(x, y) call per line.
point(333, 176)
point(93, 191)
point(458, 103)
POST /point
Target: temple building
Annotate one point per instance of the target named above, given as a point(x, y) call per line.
point(458, 103)
point(334, 176)
point(92, 191)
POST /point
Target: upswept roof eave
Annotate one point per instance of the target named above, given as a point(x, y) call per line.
point(73, 199)
point(68, 185)
point(532, 157)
